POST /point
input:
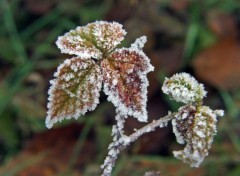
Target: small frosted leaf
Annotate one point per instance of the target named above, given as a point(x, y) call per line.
point(125, 81)
point(92, 40)
point(74, 91)
point(196, 128)
point(182, 87)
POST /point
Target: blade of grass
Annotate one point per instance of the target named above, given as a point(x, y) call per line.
point(120, 165)
point(12, 83)
point(40, 23)
point(89, 122)
point(192, 33)
point(234, 139)
point(47, 45)
point(228, 101)
point(13, 33)
point(78, 146)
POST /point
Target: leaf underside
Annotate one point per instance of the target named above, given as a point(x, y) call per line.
point(125, 81)
point(74, 91)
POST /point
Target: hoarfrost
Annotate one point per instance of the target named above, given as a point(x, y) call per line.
point(196, 130)
point(114, 82)
point(107, 34)
point(139, 43)
point(182, 87)
point(148, 129)
point(68, 44)
point(71, 95)
point(89, 41)
point(125, 81)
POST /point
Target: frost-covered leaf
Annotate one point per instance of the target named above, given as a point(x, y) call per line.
point(125, 81)
point(74, 90)
point(196, 127)
point(182, 87)
point(93, 40)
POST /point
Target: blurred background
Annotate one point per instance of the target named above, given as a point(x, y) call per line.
point(201, 37)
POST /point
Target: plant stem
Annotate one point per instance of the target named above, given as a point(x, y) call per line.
point(162, 122)
point(122, 142)
point(115, 147)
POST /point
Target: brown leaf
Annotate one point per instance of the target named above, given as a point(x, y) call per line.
point(222, 24)
point(74, 91)
point(125, 81)
point(219, 65)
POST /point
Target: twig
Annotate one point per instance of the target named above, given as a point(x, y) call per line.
point(121, 142)
point(162, 122)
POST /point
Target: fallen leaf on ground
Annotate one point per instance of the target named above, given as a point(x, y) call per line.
point(219, 65)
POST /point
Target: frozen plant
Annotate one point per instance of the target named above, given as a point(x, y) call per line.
point(122, 72)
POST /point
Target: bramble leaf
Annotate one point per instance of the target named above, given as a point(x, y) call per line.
point(74, 91)
point(125, 81)
point(182, 87)
point(196, 127)
point(93, 40)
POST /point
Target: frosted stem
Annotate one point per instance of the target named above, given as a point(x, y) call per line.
point(120, 142)
point(162, 122)
point(115, 147)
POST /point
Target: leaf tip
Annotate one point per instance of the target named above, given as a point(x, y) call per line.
point(48, 122)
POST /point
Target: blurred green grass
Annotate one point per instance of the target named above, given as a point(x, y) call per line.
point(28, 58)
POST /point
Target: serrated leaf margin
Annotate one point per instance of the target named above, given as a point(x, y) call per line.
point(141, 71)
point(55, 85)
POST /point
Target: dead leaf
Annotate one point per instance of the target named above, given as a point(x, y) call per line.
point(125, 81)
point(219, 65)
point(222, 24)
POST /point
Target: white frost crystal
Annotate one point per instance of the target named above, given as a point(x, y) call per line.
point(139, 43)
point(125, 81)
point(196, 130)
point(123, 72)
point(152, 173)
point(182, 87)
point(107, 35)
point(74, 91)
point(92, 40)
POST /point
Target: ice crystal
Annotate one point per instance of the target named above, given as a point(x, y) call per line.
point(139, 43)
point(125, 81)
point(152, 173)
point(107, 35)
point(92, 40)
point(182, 87)
point(196, 130)
point(71, 93)
point(78, 81)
